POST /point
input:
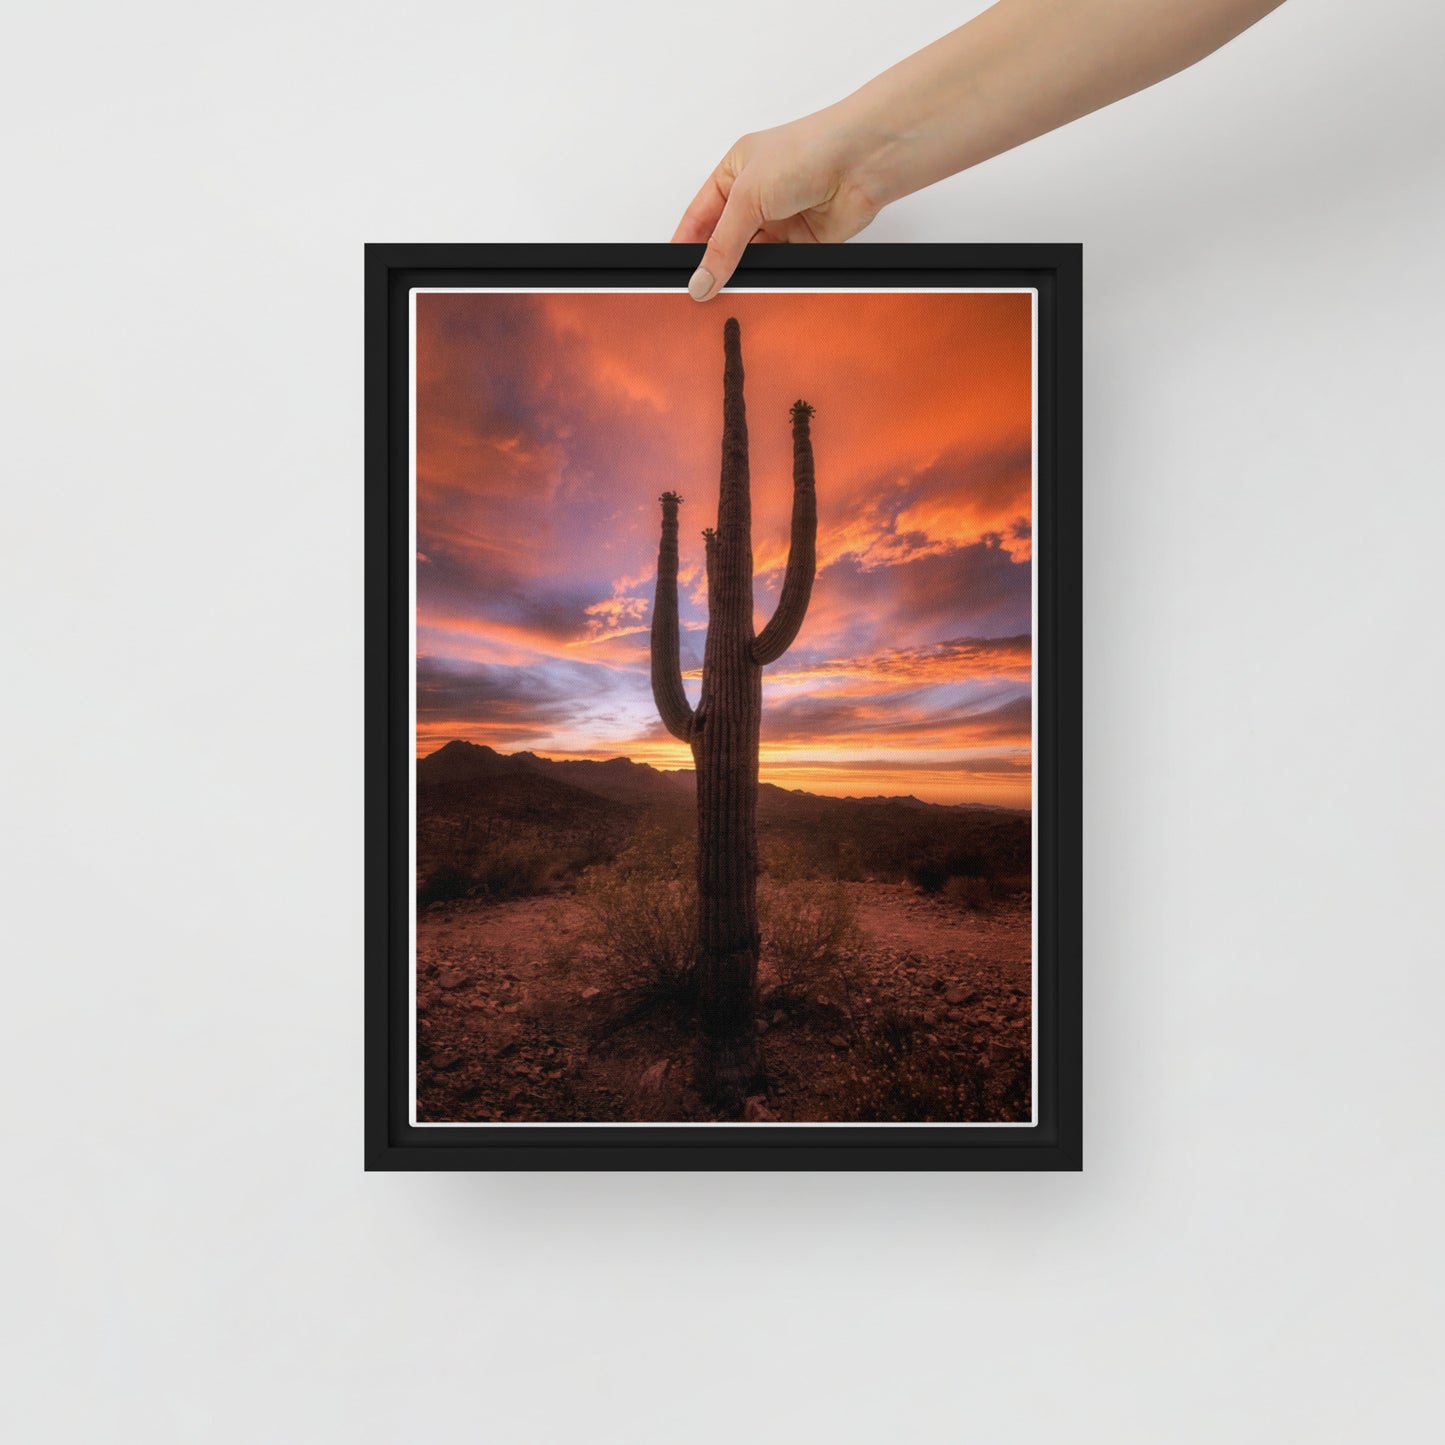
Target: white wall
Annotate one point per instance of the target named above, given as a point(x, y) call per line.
point(1251, 1253)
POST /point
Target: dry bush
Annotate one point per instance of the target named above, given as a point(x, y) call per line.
point(811, 940)
point(783, 859)
point(895, 1075)
point(443, 883)
point(1018, 886)
point(971, 893)
point(496, 869)
point(641, 914)
point(848, 866)
point(516, 868)
point(983, 894)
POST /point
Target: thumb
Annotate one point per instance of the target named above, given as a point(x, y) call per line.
point(740, 221)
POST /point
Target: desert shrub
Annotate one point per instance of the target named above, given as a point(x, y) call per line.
point(848, 862)
point(784, 859)
point(895, 1074)
point(496, 869)
point(810, 939)
point(928, 874)
point(971, 893)
point(983, 894)
point(516, 869)
point(930, 868)
point(658, 849)
point(641, 914)
point(999, 1089)
point(443, 883)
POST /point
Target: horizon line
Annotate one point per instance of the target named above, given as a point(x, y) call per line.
point(663, 772)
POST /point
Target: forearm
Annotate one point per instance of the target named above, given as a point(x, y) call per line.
point(1018, 70)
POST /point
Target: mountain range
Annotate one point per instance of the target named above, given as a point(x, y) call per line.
point(620, 780)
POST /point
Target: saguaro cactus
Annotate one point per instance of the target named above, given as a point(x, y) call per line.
point(723, 730)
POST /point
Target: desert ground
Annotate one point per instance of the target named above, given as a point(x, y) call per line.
point(552, 969)
point(520, 1017)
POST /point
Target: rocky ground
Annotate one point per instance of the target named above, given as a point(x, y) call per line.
point(519, 1018)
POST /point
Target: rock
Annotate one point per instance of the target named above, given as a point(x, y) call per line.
point(756, 1111)
point(838, 1041)
point(957, 994)
point(762, 1026)
point(653, 1077)
point(445, 1060)
point(451, 978)
point(590, 992)
point(954, 1016)
point(928, 980)
point(779, 1018)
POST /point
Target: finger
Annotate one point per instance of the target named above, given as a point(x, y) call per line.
point(741, 217)
point(702, 214)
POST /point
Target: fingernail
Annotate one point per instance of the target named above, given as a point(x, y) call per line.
point(700, 285)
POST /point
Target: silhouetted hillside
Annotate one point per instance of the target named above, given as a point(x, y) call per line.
point(619, 779)
point(547, 819)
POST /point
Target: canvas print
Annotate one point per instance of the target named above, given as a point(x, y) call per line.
point(723, 707)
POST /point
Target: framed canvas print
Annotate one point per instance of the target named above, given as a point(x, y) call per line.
point(723, 677)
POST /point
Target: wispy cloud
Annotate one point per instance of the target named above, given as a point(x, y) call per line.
point(547, 428)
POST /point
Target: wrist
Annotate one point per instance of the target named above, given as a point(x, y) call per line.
point(874, 154)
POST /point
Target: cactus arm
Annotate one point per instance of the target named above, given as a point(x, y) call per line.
point(699, 717)
point(777, 637)
point(667, 693)
point(709, 539)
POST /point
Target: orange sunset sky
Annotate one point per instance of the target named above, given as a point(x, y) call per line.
point(547, 425)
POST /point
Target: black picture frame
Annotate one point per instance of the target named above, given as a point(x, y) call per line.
point(1054, 1142)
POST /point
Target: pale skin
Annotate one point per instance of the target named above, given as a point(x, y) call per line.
point(1018, 70)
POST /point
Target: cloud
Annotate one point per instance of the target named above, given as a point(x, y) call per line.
point(1001, 763)
point(891, 721)
point(491, 693)
point(546, 703)
point(615, 617)
point(954, 660)
point(549, 424)
point(856, 609)
point(948, 502)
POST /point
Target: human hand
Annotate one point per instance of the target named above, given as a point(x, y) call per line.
point(1018, 70)
point(799, 182)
